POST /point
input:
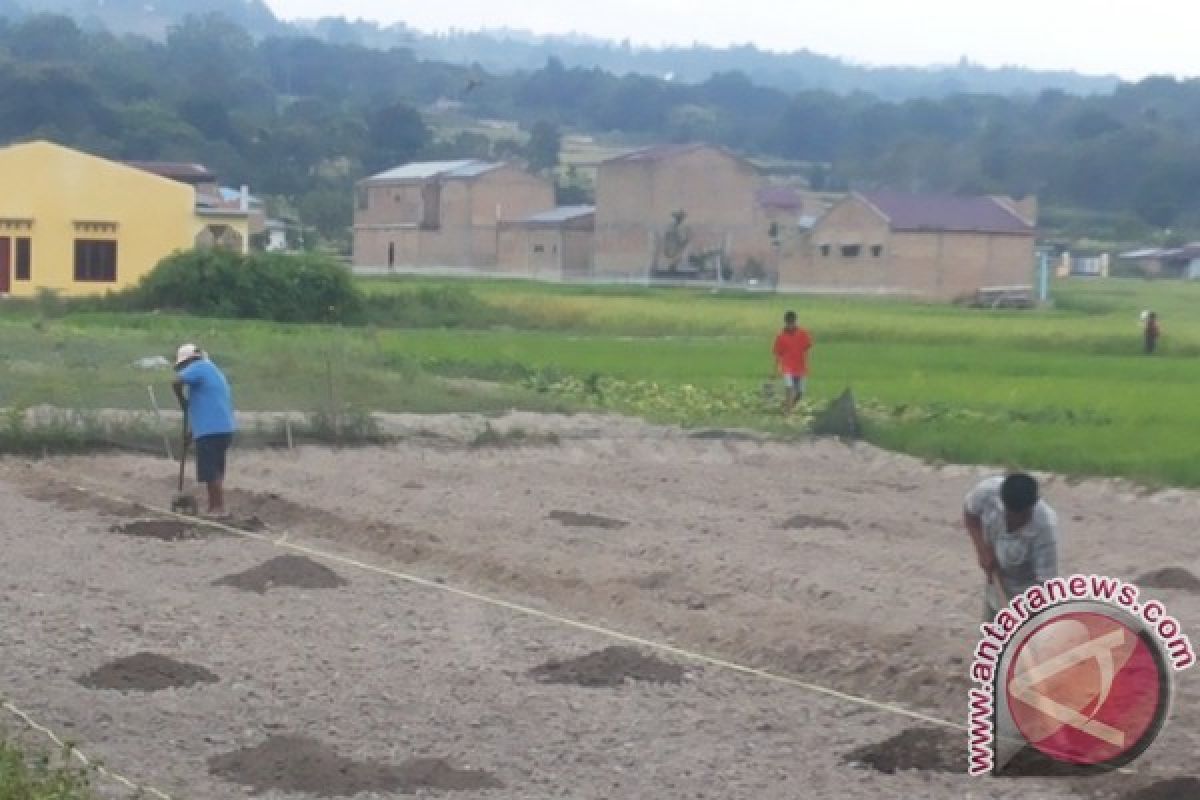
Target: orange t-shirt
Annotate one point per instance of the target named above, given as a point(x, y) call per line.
point(791, 351)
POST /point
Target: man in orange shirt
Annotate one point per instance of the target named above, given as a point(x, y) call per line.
point(791, 357)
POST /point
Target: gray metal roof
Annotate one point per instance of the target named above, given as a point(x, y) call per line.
point(1147, 252)
point(561, 214)
point(175, 170)
point(658, 152)
point(424, 170)
point(1186, 252)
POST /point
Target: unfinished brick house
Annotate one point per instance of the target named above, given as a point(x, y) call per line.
point(556, 244)
point(661, 210)
point(442, 213)
point(933, 246)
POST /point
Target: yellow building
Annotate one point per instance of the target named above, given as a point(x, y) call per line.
point(79, 224)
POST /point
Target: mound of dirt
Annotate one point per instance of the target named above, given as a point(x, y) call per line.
point(926, 749)
point(1033, 763)
point(70, 498)
point(1175, 789)
point(270, 506)
point(277, 513)
point(608, 668)
point(146, 672)
point(653, 580)
point(295, 572)
point(1170, 578)
point(802, 521)
point(297, 764)
point(437, 773)
point(166, 530)
point(573, 519)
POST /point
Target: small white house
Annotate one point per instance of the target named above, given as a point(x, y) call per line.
point(277, 239)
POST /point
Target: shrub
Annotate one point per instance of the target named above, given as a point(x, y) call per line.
point(268, 286)
point(50, 304)
point(41, 776)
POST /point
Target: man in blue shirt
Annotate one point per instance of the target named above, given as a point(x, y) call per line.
point(209, 406)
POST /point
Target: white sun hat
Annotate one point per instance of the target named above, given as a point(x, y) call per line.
point(186, 352)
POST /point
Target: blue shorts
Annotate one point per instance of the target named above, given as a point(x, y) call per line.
point(210, 456)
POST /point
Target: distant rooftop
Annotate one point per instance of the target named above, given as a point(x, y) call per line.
point(1185, 253)
point(664, 152)
point(424, 170)
point(231, 195)
point(948, 213)
point(176, 170)
point(560, 214)
point(657, 152)
point(779, 197)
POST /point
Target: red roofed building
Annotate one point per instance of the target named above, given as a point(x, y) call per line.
point(943, 247)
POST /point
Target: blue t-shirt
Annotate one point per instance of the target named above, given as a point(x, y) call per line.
point(210, 404)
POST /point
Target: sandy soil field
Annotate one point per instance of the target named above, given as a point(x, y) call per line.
point(209, 665)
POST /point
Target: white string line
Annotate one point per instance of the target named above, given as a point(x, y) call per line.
point(282, 541)
point(79, 754)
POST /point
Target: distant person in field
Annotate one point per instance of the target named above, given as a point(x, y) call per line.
point(1015, 534)
point(1150, 332)
point(208, 404)
point(791, 359)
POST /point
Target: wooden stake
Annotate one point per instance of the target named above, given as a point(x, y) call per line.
point(162, 426)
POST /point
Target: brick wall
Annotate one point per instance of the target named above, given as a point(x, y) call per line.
point(635, 200)
point(466, 216)
point(852, 247)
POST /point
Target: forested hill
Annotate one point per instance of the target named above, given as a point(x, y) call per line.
point(149, 18)
point(506, 51)
point(303, 118)
point(510, 51)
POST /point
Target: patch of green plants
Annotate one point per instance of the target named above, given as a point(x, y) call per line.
point(41, 776)
point(490, 436)
point(47, 431)
point(1064, 389)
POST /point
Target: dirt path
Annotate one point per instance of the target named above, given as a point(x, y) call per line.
point(843, 566)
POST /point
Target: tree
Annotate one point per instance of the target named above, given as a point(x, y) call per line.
point(152, 131)
point(328, 209)
point(210, 52)
point(396, 134)
point(209, 115)
point(545, 144)
point(811, 128)
point(47, 37)
point(465, 144)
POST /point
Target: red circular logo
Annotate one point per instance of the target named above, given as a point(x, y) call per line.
point(1085, 688)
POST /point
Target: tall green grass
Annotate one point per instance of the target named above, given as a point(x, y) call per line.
point(25, 776)
point(1060, 389)
point(87, 361)
point(1088, 316)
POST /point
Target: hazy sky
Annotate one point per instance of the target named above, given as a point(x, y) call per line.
point(1132, 40)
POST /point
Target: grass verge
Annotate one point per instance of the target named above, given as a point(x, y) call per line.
point(1063, 389)
point(41, 776)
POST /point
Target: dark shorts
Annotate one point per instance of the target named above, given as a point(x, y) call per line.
point(210, 456)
